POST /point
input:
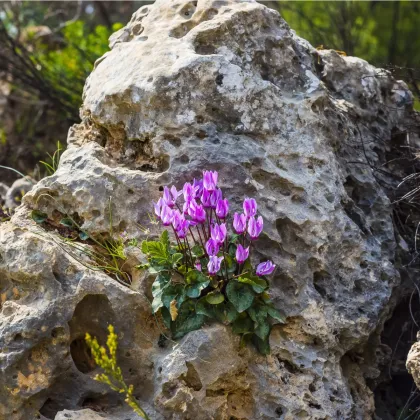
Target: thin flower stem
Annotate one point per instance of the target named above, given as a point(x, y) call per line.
point(204, 233)
point(226, 267)
point(199, 234)
point(188, 245)
point(195, 242)
point(184, 251)
point(239, 275)
point(210, 221)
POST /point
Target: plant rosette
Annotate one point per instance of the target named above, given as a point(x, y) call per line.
point(205, 273)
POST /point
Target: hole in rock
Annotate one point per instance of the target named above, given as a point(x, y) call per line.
point(398, 389)
point(82, 356)
point(101, 403)
point(322, 283)
point(93, 314)
point(50, 408)
point(174, 140)
point(191, 378)
point(57, 332)
point(279, 411)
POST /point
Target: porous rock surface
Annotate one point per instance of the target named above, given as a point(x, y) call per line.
point(227, 86)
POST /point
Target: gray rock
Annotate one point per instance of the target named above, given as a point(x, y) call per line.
point(19, 188)
point(3, 191)
point(225, 86)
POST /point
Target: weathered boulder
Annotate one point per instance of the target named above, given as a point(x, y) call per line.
point(17, 190)
point(3, 191)
point(227, 86)
point(413, 362)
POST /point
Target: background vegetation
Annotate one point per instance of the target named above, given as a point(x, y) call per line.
point(47, 49)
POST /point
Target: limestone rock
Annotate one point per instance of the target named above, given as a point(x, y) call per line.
point(3, 191)
point(227, 86)
point(413, 362)
point(18, 189)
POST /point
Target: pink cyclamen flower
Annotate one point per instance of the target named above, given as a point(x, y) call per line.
point(175, 193)
point(212, 247)
point(196, 212)
point(210, 198)
point(255, 227)
point(250, 207)
point(158, 207)
point(218, 233)
point(265, 268)
point(197, 265)
point(198, 187)
point(242, 254)
point(214, 264)
point(210, 180)
point(239, 223)
point(166, 215)
point(177, 218)
point(168, 198)
point(188, 191)
point(222, 209)
point(182, 229)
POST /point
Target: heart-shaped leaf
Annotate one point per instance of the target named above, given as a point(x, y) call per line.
point(214, 298)
point(38, 216)
point(66, 221)
point(241, 295)
point(257, 283)
point(83, 236)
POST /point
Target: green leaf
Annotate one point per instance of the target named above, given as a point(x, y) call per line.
point(230, 263)
point(225, 312)
point(214, 298)
point(66, 221)
point(83, 236)
point(263, 329)
point(173, 292)
point(188, 320)
point(204, 308)
point(155, 269)
point(258, 312)
point(38, 216)
point(156, 251)
point(194, 290)
point(241, 295)
point(243, 324)
point(158, 286)
point(157, 303)
point(257, 283)
point(197, 251)
point(195, 276)
point(176, 258)
point(164, 239)
point(232, 250)
point(274, 313)
point(233, 238)
point(263, 346)
point(182, 269)
point(166, 316)
point(144, 247)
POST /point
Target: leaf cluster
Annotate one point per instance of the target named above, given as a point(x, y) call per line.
point(188, 298)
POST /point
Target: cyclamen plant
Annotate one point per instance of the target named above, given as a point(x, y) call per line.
point(207, 272)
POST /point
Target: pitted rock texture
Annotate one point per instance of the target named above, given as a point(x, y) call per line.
point(413, 361)
point(227, 86)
